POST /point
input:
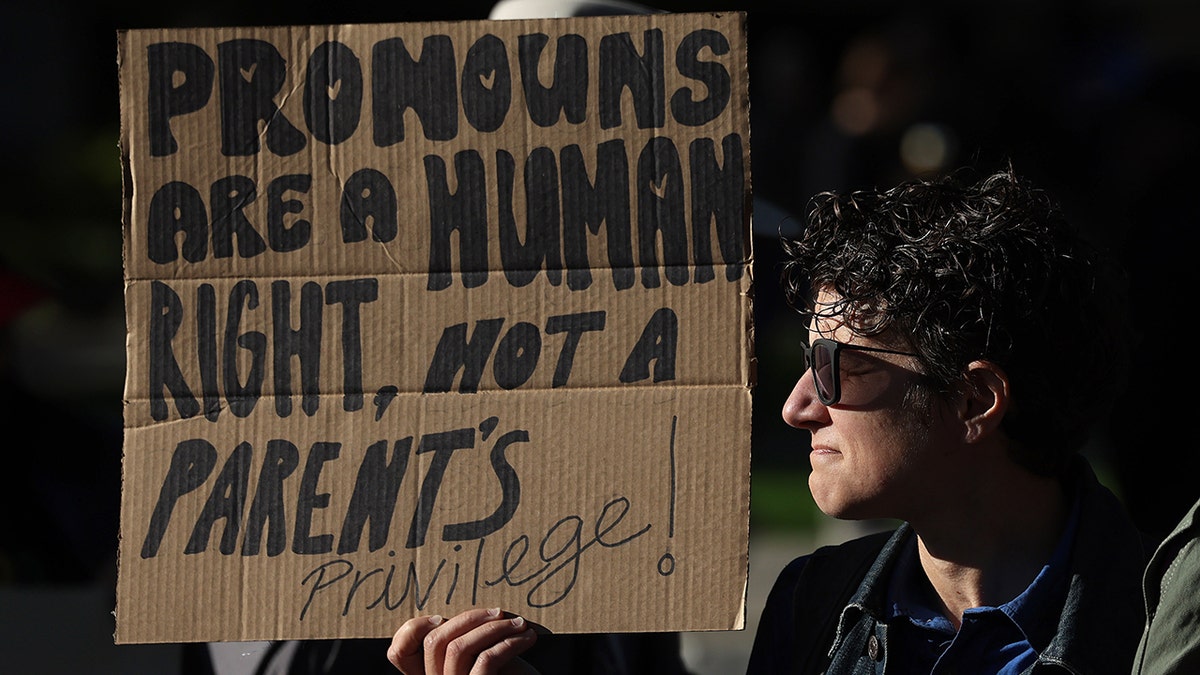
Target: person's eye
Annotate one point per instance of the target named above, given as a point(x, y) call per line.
point(854, 363)
point(852, 374)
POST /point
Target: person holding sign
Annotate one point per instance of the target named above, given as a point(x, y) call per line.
point(963, 341)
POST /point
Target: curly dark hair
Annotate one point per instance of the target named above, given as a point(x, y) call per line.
point(967, 270)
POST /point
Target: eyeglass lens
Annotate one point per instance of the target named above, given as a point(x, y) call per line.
point(821, 362)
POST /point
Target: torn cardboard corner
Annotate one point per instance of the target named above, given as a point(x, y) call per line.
point(436, 315)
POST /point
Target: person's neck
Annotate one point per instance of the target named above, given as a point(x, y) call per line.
point(991, 546)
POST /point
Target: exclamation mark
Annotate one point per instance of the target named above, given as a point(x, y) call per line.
point(666, 564)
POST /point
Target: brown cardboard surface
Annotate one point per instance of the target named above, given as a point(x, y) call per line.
point(404, 340)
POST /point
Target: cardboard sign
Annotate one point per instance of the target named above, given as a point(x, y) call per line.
point(435, 315)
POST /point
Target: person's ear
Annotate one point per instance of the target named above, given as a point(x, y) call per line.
point(985, 400)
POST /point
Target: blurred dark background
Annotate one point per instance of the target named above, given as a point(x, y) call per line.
point(1095, 100)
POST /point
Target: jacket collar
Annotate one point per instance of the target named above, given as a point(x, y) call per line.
point(1102, 614)
point(872, 592)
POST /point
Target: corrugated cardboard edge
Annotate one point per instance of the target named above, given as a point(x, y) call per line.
point(750, 352)
point(126, 211)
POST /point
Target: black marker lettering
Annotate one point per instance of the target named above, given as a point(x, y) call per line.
point(310, 500)
point(351, 294)
point(333, 91)
point(486, 84)
point(252, 73)
point(369, 202)
point(588, 205)
point(243, 397)
point(510, 494)
point(166, 315)
point(302, 342)
point(428, 86)
point(442, 445)
point(165, 98)
point(228, 197)
point(718, 197)
point(712, 74)
point(658, 343)
point(574, 325)
point(282, 237)
point(464, 211)
point(206, 349)
point(660, 210)
point(191, 465)
point(226, 502)
point(455, 352)
point(567, 96)
point(176, 207)
point(280, 460)
point(621, 67)
point(517, 355)
point(523, 261)
point(375, 492)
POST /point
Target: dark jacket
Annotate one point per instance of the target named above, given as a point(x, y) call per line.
point(809, 626)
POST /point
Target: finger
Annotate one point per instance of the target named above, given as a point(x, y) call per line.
point(406, 650)
point(454, 647)
point(437, 640)
point(503, 656)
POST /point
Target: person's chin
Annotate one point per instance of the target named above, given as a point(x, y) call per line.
point(836, 502)
point(825, 494)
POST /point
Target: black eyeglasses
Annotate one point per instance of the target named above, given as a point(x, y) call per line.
point(823, 357)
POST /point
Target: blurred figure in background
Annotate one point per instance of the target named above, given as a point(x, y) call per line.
point(1171, 641)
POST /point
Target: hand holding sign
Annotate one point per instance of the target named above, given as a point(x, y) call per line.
point(477, 641)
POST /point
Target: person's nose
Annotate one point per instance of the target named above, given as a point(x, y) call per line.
point(802, 409)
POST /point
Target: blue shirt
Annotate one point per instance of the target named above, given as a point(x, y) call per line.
point(1004, 640)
